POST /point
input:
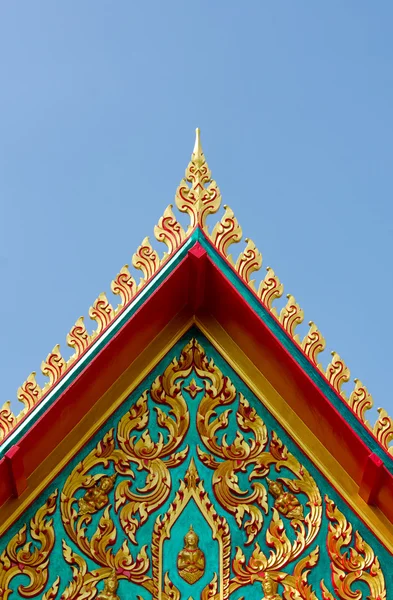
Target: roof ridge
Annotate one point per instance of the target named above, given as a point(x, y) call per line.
point(199, 196)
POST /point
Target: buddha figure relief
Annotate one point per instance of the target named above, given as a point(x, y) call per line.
point(285, 502)
point(269, 587)
point(110, 588)
point(191, 560)
point(96, 497)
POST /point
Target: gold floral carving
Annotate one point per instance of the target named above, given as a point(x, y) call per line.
point(19, 557)
point(270, 289)
point(351, 565)
point(198, 195)
point(124, 285)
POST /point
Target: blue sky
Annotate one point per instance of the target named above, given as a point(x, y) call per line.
point(98, 106)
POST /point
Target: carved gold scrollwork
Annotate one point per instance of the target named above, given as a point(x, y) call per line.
point(337, 373)
point(270, 289)
point(249, 261)
point(53, 367)
point(291, 316)
point(200, 199)
point(124, 286)
point(30, 392)
point(146, 260)
point(351, 566)
point(19, 557)
point(313, 344)
point(226, 232)
point(192, 488)
point(169, 231)
point(78, 338)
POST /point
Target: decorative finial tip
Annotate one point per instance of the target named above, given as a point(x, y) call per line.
point(197, 146)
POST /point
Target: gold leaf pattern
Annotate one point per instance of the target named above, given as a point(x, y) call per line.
point(169, 231)
point(102, 313)
point(146, 260)
point(337, 373)
point(30, 392)
point(270, 289)
point(249, 260)
point(78, 338)
point(358, 564)
point(360, 401)
point(313, 344)
point(291, 316)
point(383, 428)
point(124, 285)
point(53, 367)
point(226, 232)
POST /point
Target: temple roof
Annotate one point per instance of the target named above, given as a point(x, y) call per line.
point(198, 196)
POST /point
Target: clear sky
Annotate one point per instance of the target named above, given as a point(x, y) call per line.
point(98, 106)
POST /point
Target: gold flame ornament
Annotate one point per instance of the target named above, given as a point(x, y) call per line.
point(191, 560)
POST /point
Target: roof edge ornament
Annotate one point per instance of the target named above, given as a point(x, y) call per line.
point(199, 196)
point(203, 197)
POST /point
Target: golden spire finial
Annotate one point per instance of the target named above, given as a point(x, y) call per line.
point(203, 197)
point(197, 152)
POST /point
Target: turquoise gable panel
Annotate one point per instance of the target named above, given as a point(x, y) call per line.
point(192, 447)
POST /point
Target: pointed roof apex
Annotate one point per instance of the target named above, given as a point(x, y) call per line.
point(197, 152)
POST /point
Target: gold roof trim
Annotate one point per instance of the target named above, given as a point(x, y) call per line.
point(199, 196)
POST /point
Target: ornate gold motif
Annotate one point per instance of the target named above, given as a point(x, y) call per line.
point(242, 454)
point(285, 502)
point(270, 587)
point(102, 313)
point(192, 488)
point(198, 200)
point(146, 260)
point(19, 557)
point(357, 565)
point(191, 560)
point(383, 429)
point(110, 588)
point(78, 338)
point(169, 231)
point(100, 505)
point(96, 497)
point(226, 232)
point(337, 373)
point(249, 261)
point(313, 344)
point(124, 285)
point(53, 367)
point(30, 392)
point(198, 196)
point(291, 316)
point(270, 289)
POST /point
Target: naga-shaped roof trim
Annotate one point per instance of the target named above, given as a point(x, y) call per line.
point(198, 196)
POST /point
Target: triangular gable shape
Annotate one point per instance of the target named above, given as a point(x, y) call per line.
point(193, 446)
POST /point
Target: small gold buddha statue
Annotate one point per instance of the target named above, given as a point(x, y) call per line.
point(96, 497)
point(110, 588)
point(269, 587)
point(285, 502)
point(191, 560)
